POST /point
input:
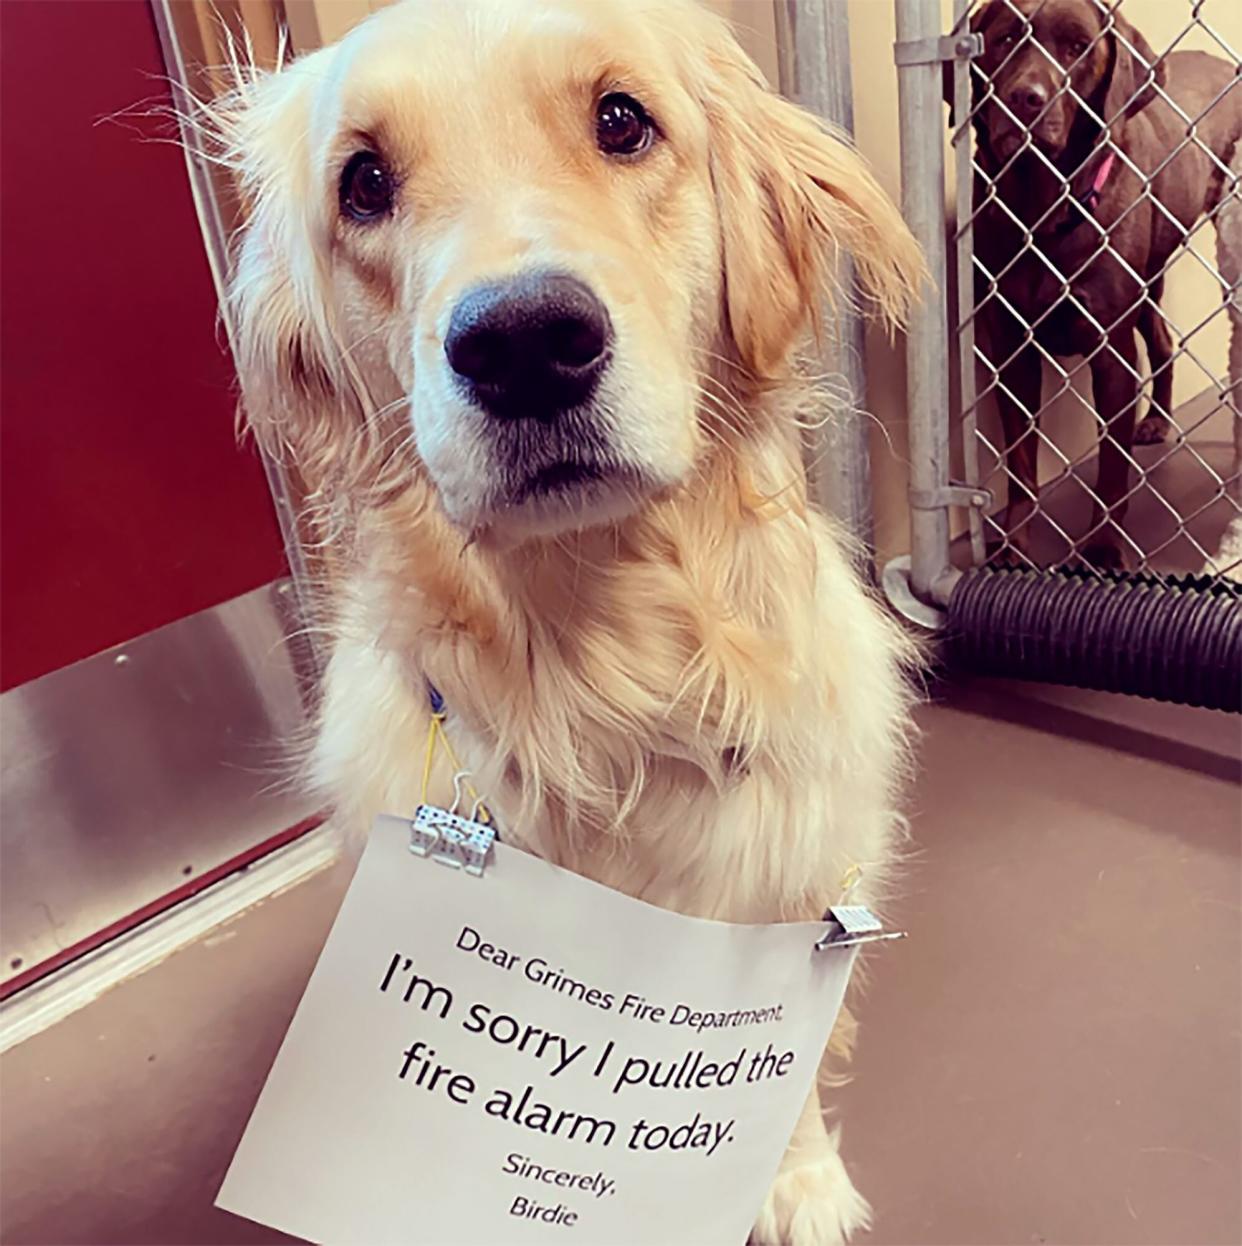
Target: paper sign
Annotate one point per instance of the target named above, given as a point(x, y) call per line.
point(529, 1057)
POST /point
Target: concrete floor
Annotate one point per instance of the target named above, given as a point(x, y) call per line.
point(1052, 1056)
point(1181, 478)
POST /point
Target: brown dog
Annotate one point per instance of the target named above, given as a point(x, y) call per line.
point(1087, 88)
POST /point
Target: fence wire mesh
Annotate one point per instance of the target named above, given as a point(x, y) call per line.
point(1099, 204)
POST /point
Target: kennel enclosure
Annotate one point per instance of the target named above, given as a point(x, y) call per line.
point(1044, 605)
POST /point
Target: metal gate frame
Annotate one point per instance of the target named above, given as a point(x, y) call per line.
point(813, 56)
point(920, 584)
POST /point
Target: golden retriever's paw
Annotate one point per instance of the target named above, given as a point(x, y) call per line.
point(811, 1205)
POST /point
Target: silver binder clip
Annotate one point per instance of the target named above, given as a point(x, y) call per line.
point(850, 925)
point(451, 839)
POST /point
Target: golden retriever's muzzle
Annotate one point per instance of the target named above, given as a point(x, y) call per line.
point(533, 347)
point(530, 352)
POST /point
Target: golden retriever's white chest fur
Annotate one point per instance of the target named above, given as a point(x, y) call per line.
point(742, 803)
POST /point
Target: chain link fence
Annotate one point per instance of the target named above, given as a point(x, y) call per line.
point(1073, 387)
point(1096, 253)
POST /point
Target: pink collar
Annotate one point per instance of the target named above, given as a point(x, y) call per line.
point(1092, 197)
point(1079, 210)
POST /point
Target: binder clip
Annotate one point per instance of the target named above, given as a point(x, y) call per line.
point(446, 836)
point(851, 925)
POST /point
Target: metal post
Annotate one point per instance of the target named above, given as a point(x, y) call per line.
point(813, 48)
point(215, 231)
point(964, 249)
point(919, 88)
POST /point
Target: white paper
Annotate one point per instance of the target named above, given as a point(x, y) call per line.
point(341, 1148)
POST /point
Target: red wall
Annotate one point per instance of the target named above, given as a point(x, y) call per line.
point(125, 501)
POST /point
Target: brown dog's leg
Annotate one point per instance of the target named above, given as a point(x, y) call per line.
point(1155, 426)
point(1017, 399)
point(1115, 380)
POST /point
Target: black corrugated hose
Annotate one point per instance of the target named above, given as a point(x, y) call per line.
point(1167, 639)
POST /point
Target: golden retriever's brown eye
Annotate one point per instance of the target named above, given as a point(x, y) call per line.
point(622, 127)
point(366, 187)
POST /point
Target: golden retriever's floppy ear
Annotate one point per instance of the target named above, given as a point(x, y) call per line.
point(296, 387)
point(792, 195)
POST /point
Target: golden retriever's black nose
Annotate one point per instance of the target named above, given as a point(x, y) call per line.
point(533, 346)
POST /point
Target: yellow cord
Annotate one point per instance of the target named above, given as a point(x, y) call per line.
point(850, 879)
point(436, 732)
point(431, 754)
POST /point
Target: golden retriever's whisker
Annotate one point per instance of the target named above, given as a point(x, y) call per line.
point(721, 410)
point(389, 407)
point(725, 403)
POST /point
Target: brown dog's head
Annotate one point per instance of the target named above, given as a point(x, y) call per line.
point(515, 237)
point(1044, 59)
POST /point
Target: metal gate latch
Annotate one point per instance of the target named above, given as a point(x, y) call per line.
point(963, 47)
point(950, 495)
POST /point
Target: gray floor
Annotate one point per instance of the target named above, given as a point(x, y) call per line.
point(1176, 513)
point(1053, 1055)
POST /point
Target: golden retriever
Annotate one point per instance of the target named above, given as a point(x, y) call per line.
point(519, 295)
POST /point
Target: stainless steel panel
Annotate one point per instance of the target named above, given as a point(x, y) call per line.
point(181, 44)
point(124, 776)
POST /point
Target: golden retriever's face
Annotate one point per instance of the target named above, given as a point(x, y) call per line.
point(523, 218)
point(545, 224)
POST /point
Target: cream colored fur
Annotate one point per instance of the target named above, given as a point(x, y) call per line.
point(687, 695)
